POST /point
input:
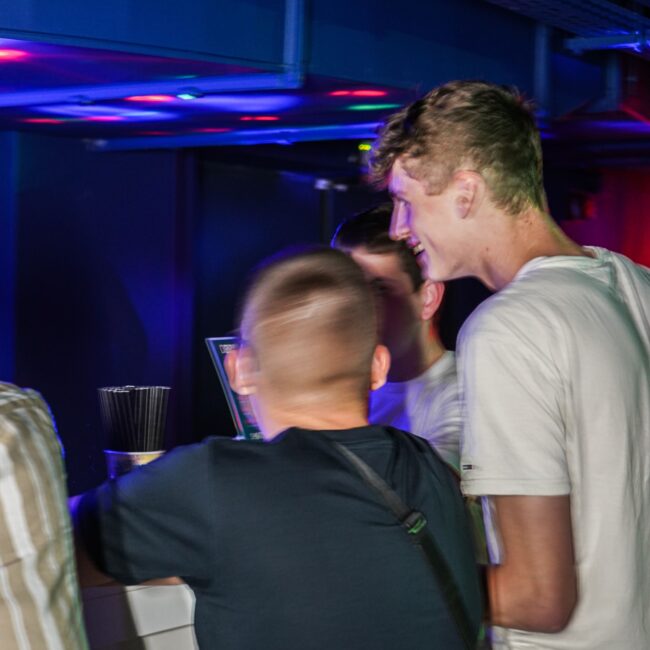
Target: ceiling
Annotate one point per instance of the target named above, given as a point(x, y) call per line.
point(121, 100)
point(588, 18)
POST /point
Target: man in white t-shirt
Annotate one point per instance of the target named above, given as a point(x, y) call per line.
point(555, 371)
point(421, 394)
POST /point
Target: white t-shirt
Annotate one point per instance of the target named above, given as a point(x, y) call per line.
point(555, 372)
point(427, 406)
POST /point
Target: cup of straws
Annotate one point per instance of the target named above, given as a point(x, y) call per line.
point(133, 418)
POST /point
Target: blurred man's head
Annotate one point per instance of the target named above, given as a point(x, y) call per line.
point(465, 150)
point(407, 302)
point(309, 342)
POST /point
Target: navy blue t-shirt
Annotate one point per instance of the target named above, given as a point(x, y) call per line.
point(285, 546)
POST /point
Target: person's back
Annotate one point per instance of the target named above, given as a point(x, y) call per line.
point(283, 543)
point(40, 607)
point(576, 320)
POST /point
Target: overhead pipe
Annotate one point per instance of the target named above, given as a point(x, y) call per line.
point(285, 135)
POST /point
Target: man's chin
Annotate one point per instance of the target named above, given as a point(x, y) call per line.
point(425, 266)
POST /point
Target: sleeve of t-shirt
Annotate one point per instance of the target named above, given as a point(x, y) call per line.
point(444, 427)
point(153, 522)
point(514, 434)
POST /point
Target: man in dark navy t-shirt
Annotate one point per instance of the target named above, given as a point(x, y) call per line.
point(283, 544)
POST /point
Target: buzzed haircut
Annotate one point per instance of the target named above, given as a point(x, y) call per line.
point(472, 125)
point(310, 318)
point(370, 229)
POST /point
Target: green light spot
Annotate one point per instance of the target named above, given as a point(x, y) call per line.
point(371, 107)
point(365, 146)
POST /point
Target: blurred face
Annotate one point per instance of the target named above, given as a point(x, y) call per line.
point(400, 303)
point(429, 224)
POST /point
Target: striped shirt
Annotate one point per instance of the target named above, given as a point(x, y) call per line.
point(40, 608)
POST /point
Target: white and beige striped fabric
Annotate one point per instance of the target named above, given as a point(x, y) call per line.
point(40, 608)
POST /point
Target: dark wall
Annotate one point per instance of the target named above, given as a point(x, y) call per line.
point(126, 262)
point(8, 256)
point(245, 214)
point(97, 294)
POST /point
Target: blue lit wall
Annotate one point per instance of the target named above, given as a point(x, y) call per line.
point(8, 164)
point(96, 292)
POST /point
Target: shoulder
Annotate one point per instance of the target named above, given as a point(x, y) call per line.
point(13, 397)
point(24, 410)
point(534, 307)
point(213, 449)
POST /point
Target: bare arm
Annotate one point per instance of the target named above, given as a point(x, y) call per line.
point(534, 588)
point(88, 573)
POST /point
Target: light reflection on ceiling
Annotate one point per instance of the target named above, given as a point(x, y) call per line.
point(105, 95)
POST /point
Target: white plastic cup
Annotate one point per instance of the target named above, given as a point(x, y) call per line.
point(122, 462)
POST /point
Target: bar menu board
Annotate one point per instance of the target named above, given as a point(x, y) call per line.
point(240, 407)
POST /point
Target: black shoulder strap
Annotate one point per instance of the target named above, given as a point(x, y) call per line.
point(416, 526)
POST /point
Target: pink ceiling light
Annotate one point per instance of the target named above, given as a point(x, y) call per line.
point(150, 98)
point(259, 118)
point(11, 55)
point(363, 92)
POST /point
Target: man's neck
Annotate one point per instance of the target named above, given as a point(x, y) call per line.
point(516, 241)
point(328, 417)
point(419, 357)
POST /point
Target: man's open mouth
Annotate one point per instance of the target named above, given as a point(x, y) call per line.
point(417, 248)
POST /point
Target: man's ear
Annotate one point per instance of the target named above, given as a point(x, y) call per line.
point(240, 368)
point(469, 189)
point(380, 367)
point(431, 293)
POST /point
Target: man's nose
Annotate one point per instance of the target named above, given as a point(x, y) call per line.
point(398, 224)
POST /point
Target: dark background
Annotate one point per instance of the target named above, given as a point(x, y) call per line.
point(116, 265)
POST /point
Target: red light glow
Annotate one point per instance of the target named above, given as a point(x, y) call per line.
point(11, 55)
point(364, 92)
point(212, 130)
point(259, 118)
point(41, 120)
point(369, 93)
point(150, 98)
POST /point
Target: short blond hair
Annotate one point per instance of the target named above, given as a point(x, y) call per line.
point(473, 125)
point(310, 318)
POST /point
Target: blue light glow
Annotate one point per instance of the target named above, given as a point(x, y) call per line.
point(91, 110)
point(248, 103)
point(364, 131)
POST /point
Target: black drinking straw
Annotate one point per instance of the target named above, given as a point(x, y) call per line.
point(133, 417)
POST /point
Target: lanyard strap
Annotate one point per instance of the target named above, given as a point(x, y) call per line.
point(415, 524)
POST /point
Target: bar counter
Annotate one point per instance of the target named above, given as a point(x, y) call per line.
point(142, 617)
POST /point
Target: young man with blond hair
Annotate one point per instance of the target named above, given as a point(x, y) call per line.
point(283, 543)
point(555, 370)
